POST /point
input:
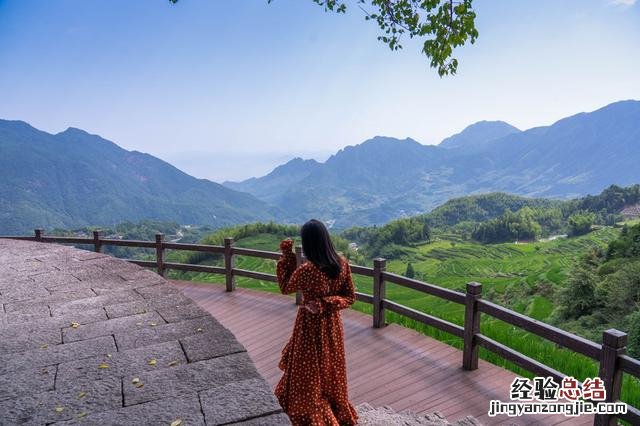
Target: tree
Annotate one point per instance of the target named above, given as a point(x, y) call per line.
point(578, 298)
point(442, 24)
point(580, 223)
point(410, 273)
point(634, 334)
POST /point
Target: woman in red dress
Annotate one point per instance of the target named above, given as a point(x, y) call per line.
point(313, 387)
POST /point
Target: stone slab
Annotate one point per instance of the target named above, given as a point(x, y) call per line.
point(279, 419)
point(41, 322)
point(143, 305)
point(213, 344)
point(128, 364)
point(160, 412)
point(164, 333)
point(40, 408)
point(237, 401)
point(96, 302)
point(111, 326)
point(92, 339)
point(59, 297)
point(189, 378)
point(26, 382)
point(55, 354)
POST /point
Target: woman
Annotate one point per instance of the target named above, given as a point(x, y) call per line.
point(313, 387)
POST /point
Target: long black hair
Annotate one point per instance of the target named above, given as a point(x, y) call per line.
point(318, 248)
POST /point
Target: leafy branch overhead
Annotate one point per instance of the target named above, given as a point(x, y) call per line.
point(442, 24)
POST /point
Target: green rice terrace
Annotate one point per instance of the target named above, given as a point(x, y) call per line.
point(525, 277)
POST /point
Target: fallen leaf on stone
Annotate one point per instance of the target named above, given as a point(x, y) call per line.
point(82, 395)
point(103, 366)
point(75, 324)
point(152, 361)
point(45, 371)
point(139, 385)
point(172, 363)
point(199, 329)
point(135, 381)
point(58, 409)
point(153, 324)
point(177, 422)
point(109, 355)
point(81, 415)
point(45, 346)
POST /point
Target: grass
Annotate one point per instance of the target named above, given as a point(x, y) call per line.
point(522, 277)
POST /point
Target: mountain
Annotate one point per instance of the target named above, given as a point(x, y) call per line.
point(74, 179)
point(478, 135)
point(385, 178)
point(270, 186)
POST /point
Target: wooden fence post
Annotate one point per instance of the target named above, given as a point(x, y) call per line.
point(614, 343)
point(298, 263)
point(229, 263)
point(38, 233)
point(97, 245)
point(471, 326)
point(160, 254)
point(379, 292)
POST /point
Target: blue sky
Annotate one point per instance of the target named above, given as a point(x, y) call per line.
point(226, 89)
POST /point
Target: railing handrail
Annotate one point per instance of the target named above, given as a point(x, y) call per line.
point(613, 361)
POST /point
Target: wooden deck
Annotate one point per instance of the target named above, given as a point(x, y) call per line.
point(392, 366)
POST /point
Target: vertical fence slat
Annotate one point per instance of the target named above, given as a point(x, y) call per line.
point(160, 254)
point(471, 326)
point(229, 263)
point(97, 244)
point(614, 343)
point(379, 292)
point(298, 263)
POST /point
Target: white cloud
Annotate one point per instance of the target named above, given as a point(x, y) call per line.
point(626, 3)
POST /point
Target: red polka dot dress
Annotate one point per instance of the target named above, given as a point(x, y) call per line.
point(313, 387)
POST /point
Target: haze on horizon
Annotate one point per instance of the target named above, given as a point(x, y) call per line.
point(229, 89)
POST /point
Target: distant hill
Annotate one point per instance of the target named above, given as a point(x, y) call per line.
point(74, 179)
point(272, 185)
point(478, 135)
point(385, 178)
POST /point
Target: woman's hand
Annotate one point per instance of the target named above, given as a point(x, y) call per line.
point(286, 246)
point(313, 306)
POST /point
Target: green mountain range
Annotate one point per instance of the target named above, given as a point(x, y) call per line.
point(385, 178)
point(74, 179)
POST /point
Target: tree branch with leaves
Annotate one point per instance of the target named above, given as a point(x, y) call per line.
point(443, 25)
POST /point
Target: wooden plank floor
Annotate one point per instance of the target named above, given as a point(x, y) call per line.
point(392, 366)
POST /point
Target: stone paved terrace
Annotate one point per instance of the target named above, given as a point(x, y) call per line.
point(89, 339)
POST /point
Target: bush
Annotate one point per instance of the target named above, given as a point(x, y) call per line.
point(580, 223)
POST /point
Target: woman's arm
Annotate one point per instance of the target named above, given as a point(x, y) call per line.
point(346, 297)
point(288, 276)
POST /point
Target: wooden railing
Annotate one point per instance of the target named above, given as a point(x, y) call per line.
point(610, 354)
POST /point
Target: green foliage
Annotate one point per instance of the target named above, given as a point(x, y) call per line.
point(510, 226)
point(580, 223)
point(410, 272)
point(466, 212)
point(633, 343)
point(608, 204)
point(578, 297)
point(379, 240)
point(628, 245)
point(604, 290)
